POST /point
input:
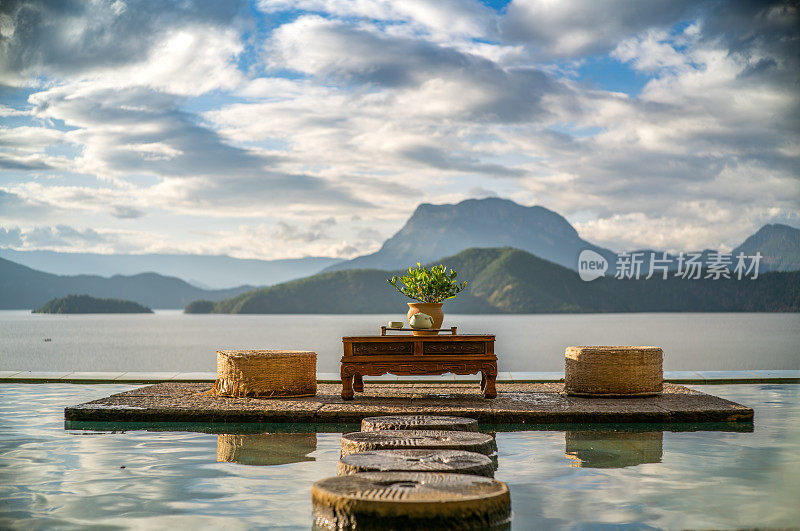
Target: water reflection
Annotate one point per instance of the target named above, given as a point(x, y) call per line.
point(711, 476)
point(244, 428)
point(266, 449)
point(613, 449)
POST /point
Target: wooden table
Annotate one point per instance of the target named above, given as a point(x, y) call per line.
point(407, 355)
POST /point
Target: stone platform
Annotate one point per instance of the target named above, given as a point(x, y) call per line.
point(516, 403)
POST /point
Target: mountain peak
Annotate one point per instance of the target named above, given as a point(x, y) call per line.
point(492, 212)
point(472, 201)
point(771, 229)
point(435, 231)
point(493, 203)
point(778, 244)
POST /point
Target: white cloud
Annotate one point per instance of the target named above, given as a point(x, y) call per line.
point(126, 212)
point(30, 138)
point(439, 19)
point(24, 148)
point(425, 78)
point(34, 200)
point(284, 240)
point(61, 236)
point(10, 237)
point(138, 41)
point(189, 61)
point(654, 50)
point(571, 28)
point(137, 131)
point(143, 116)
point(479, 192)
point(6, 111)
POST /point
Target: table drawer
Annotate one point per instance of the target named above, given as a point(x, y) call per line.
point(454, 347)
point(383, 349)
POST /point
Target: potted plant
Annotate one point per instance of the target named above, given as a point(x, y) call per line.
point(431, 286)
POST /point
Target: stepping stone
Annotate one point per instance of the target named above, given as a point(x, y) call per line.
point(445, 461)
point(410, 439)
point(419, 422)
point(410, 500)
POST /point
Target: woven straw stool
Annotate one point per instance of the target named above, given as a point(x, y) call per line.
point(613, 371)
point(266, 373)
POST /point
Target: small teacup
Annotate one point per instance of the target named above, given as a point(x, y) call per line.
point(396, 324)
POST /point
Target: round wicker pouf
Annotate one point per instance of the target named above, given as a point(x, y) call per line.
point(419, 422)
point(410, 500)
point(408, 439)
point(450, 461)
point(266, 373)
point(613, 371)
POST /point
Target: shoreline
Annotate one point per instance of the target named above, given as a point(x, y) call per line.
point(677, 377)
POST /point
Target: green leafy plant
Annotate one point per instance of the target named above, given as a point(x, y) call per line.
point(428, 284)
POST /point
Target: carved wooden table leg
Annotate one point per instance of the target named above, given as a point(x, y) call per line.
point(347, 385)
point(483, 382)
point(489, 391)
point(358, 383)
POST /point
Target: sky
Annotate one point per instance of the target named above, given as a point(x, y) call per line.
point(282, 129)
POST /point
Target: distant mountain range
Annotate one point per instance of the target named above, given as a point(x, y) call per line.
point(431, 233)
point(507, 280)
point(435, 231)
point(204, 271)
point(25, 288)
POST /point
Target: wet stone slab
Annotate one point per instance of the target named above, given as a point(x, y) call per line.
point(534, 403)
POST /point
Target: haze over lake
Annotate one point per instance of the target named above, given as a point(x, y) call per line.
point(172, 341)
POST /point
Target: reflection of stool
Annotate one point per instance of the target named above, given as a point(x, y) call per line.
point(613, 371)
point(613, 449)
point(266, 449)
point(266, 373)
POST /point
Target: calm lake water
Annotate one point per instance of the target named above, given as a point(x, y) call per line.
point(172, 341)
point(574, 477)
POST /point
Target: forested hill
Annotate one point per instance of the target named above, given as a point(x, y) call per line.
point(506, 280)
point(25, 288)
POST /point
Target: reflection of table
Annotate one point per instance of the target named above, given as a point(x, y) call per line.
point(417, 355)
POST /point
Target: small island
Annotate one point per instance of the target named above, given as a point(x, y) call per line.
point(200, 306)
point(87, 304)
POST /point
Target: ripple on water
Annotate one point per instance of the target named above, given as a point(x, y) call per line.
point(52, 477)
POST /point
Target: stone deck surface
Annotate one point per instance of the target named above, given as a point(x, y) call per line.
point(537, 403)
